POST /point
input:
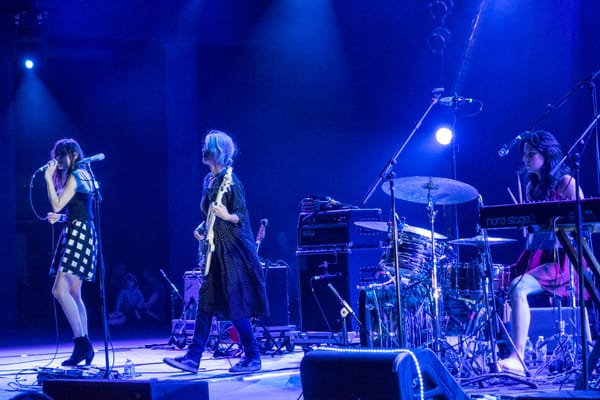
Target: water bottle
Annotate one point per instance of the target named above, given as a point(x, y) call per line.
point(129, 370)
point(541, 349)
point(529, 352)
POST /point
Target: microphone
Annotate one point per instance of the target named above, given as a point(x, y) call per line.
point(327, 276)
point(506, 148)
point(94, 158)
point(455, 101)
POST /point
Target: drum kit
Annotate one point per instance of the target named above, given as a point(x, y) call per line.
point(426, 258)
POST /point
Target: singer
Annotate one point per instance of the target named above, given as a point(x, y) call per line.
point(69, 187)
point(234, 288)
point(544, 267)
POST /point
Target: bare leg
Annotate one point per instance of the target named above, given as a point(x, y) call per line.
point(67, 290)
point(520, 317)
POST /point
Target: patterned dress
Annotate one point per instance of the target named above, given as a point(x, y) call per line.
point(547, 262)
point(77, 246)
point(235, 287)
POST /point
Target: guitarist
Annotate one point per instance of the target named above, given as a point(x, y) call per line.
point(233, 288)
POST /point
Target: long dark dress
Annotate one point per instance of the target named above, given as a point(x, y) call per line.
point(234, 288)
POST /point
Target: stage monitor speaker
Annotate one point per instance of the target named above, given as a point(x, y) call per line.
point(376, 375)
point(344, 268)
point(554, 395)
point(88, 389)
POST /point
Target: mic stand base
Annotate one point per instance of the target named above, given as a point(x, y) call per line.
point(499, 375)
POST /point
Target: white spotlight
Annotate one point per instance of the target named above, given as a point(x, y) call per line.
point(28, 63)
point(444, 135)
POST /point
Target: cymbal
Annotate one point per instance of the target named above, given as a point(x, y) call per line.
point(480, 241)
point(419, 189)
point(422, 232)
point(383, 226)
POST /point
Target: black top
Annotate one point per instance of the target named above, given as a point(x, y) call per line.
point(80, 206)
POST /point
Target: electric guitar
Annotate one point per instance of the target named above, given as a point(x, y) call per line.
point(211, 217)
point(260, 235)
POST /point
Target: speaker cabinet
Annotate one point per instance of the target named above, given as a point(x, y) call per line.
point(317, 299)
point(376, 375)
point(89, 389)
point(277, 291)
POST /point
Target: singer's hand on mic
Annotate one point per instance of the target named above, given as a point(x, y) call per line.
point(55, 217)
point(52, 164)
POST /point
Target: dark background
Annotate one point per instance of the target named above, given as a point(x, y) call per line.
point(318, 95)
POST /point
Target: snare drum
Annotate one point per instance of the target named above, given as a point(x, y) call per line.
point(464, 277)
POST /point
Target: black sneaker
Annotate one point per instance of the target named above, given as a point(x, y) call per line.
point(183, 363)
point(247, 365)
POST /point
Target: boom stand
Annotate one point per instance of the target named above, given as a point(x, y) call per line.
point(97, 198)
point(174, 295)
point(575, 154)
point(346, 309)
point(386, 173)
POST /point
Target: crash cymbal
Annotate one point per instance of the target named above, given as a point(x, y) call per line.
point(422, 232)
point(383, 226)
point(442, 191)
point(480, 241)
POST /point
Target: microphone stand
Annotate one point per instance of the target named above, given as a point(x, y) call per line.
point(575, 156)
point(550, 107)
point(175, 293)
point(387, 173)
point(346, 309)
point(97, 199)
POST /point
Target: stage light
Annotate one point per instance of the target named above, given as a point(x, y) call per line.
point(28, 63)
point(444, 135)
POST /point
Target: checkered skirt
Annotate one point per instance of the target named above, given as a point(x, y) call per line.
point(76, 251)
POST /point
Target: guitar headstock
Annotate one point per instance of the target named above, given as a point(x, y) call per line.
point(227, 180)
point(260, 235)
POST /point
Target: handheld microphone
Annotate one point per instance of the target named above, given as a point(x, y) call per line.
point(327, 276)
point(455, 101)
point(94, 158)
point(506, 148)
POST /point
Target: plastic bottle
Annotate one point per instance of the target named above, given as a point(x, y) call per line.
point(541, 349)
point(129, 370)
point(529, 352)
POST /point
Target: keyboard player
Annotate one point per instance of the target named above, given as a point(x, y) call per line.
point(544, 267)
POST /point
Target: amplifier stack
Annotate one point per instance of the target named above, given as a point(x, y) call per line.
point(332, 250)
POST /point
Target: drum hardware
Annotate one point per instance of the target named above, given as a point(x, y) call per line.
point(487, 320)
point(432, 191)
point(479, 241)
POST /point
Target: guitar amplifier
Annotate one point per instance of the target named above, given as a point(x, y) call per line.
point(191, 289)
point(336, 228)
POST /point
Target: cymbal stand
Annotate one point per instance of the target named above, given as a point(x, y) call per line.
point(493, 320)
point(434, 275)
point(397, 280)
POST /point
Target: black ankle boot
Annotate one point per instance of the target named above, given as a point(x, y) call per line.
point(83, 350)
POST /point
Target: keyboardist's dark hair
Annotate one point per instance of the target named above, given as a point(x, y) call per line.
point(545, 143)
